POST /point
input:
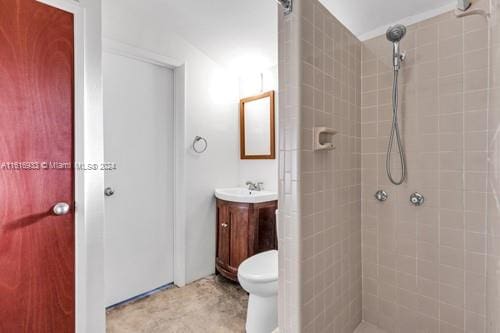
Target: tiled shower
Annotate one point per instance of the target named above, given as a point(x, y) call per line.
point(346, 257)
point(426, 265)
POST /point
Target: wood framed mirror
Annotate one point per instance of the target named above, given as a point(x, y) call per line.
point(257, 127)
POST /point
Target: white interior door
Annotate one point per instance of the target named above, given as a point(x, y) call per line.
point(138, 137)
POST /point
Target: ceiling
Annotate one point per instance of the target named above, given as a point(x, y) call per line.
point(366, 18)
point(233, 33)
point(236, 33)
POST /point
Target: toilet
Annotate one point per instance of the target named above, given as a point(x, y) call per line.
point(258, 275)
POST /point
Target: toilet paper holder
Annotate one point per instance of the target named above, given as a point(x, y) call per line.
point(323, 138)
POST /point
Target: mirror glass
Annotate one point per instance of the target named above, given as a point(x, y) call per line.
point(257, 127)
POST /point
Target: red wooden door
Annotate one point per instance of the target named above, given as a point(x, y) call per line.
point(36, 126)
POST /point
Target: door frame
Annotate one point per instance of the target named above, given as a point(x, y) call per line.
point(88, 149)
point(179, 69)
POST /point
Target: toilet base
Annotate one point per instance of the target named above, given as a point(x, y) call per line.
point(262, 314)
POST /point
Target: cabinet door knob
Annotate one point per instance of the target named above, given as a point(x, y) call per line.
point(224, 225)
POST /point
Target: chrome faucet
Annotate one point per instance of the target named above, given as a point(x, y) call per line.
point(259, 186)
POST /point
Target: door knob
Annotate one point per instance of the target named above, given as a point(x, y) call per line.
point(108, 191)
point(61, 208)
point(224, 225)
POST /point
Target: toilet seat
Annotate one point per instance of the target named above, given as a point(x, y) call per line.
point(260, 268)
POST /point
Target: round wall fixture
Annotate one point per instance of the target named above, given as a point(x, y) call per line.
point(381, 195)
point(417, 199)
point(200, 144)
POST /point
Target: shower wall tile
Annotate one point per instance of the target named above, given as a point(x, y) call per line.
point(320, 84)
point(491, 261)
point(289, 176)
point(330, 181)
point(424, 269)
point(427, 269)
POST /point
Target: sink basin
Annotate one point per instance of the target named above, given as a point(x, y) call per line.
point(244, 195)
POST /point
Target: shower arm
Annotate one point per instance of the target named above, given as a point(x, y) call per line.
point(287, 5)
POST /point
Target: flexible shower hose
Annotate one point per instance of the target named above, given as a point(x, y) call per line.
point(395, 134)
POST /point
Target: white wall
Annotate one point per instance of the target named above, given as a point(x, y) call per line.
point(260, 170)
point(211, 103)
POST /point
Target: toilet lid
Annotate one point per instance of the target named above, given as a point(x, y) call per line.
point(262, 267)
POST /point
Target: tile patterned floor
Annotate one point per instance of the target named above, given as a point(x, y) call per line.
point(212, 304)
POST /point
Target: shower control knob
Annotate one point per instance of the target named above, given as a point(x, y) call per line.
point(108, 191)
point(417, 199)
point(381, 195)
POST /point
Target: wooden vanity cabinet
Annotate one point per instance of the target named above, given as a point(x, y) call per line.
point(243, 229)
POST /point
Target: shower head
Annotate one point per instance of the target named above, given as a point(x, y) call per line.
point(395, 33)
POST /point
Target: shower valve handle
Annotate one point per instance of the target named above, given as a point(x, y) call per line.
point(381, 195)
point(417, 199)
